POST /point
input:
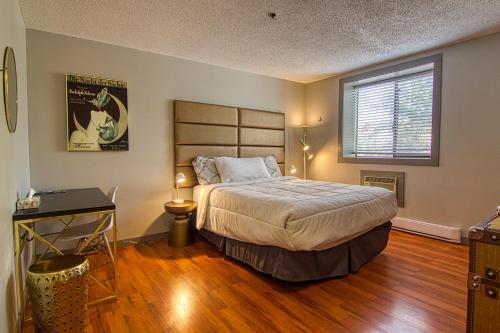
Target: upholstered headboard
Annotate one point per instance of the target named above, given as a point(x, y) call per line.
point(216, 130)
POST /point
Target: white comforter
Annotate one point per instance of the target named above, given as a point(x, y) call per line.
point(291, 213)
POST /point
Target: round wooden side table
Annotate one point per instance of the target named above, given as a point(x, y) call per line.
point(181, 231)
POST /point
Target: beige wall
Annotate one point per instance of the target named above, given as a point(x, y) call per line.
point(460, 192)
point(465, 188)
point(145, 173)
point(14, 165)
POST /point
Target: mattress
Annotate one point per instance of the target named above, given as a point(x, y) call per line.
point(291, 213)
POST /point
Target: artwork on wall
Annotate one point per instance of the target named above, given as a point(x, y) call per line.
point(96, 113)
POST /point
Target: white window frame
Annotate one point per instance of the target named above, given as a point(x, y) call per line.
point(436, 60)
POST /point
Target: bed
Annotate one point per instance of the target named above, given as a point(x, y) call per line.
point(292, 229)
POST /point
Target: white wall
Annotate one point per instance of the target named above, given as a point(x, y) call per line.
point(145, 173)
point(465, 188)
point(14, 156)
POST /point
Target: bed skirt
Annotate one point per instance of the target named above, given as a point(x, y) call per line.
point(297, 266)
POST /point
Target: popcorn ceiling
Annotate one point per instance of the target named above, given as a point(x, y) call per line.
point(307, 40)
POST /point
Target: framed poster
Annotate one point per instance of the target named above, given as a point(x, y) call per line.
point(97, 114)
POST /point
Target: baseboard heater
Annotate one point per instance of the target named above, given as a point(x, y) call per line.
point(450, 234)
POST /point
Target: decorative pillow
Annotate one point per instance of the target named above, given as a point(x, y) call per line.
point(232, 169)
point(206, 171)
point(272, 166)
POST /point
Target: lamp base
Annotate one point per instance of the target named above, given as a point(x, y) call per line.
point(179, 201)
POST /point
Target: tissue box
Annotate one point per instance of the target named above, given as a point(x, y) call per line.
point(28, 203)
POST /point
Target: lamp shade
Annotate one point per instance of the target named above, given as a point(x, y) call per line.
point(180, 178)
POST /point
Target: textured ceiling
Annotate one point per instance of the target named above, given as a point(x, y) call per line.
point(307, 40)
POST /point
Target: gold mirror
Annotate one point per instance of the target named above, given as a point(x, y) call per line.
point(10, 88)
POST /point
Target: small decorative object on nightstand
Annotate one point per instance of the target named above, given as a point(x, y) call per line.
point(179, 178)
point(181, 231)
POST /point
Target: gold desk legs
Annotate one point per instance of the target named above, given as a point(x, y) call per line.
point(19, 272)
point(95, 234)
point(42, 240)
point(66, 226)
point(19, 242)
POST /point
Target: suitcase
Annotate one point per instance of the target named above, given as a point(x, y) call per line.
point(483, 306)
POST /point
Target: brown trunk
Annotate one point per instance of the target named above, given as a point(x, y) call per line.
point(483, 308)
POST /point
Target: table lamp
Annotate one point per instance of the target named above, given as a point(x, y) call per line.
point(179, 178)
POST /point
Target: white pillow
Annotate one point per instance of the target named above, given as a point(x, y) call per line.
point(232, 169)
point(272, 166)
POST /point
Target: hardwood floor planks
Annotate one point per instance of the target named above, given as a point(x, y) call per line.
point(416, 285)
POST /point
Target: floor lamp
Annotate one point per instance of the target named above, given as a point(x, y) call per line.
point(305, 148)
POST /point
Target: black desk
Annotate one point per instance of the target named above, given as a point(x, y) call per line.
point(69, 202)
point(63, 207)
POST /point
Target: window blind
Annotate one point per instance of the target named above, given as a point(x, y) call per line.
point(391, 117)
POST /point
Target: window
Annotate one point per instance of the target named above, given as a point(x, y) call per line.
point(392, 115)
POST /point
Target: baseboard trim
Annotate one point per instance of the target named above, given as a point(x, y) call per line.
point(142, 239)
point(132, 241)
point(446, 233)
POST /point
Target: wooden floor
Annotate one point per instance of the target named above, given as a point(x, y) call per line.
point(416, 285)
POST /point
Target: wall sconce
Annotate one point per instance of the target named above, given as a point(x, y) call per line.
point(292, 170)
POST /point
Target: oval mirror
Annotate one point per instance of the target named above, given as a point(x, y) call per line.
point(10, 88)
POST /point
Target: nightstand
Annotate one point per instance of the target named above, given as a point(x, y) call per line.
point(181, 231)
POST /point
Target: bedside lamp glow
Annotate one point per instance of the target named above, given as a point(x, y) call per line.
point(292, 169)
point(179, 178)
